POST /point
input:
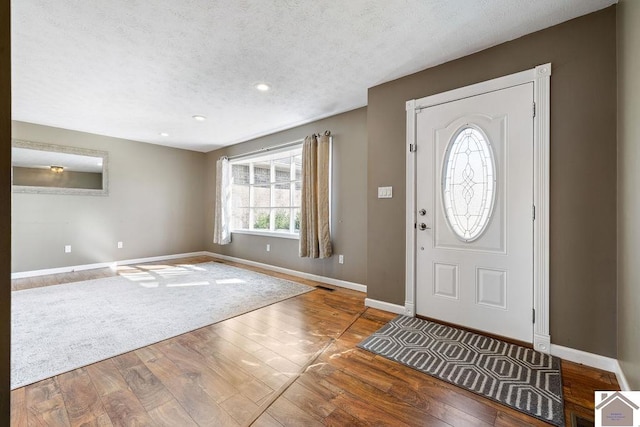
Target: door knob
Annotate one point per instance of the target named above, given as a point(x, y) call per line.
point(422, 226)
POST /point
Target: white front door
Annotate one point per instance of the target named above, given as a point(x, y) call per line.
point(474, 198)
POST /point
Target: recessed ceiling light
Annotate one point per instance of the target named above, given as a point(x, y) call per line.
point(164, 134)
point(262, 87)
point(199, 118)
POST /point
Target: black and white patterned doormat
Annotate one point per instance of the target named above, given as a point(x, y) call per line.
point(516, 376)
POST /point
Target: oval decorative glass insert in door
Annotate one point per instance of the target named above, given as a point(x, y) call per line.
point(468, 183)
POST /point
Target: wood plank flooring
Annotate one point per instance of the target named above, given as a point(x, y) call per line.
point(293, 363)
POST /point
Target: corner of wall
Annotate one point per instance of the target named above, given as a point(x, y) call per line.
point(628, 230)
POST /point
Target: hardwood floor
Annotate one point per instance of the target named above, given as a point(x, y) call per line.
point(292, 363)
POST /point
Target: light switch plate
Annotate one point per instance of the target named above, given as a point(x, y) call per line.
point(385, 192)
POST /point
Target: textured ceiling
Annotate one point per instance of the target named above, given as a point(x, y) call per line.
point(133, 68)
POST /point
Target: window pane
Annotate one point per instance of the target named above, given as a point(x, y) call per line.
point(283, 185)
point(240, 196)
point(240, 174)
point(266, 192)
point(298, 162)
point(296, 221)
point(283, 169)
point(262, 173)
point(282, 220)
point(240, 219)
point(261, 219)
point(296, 194)
point(282, 195)
point(262, 196)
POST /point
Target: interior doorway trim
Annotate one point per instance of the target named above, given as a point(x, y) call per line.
point(541, 77)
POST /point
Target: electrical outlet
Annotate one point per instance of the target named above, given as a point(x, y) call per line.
point(119, 245)
point(268, 247)
point(340, 259)
point(67, 249)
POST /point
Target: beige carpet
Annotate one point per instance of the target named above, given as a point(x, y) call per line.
point(59, 328)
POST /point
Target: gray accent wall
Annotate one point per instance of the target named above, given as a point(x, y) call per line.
point(348, 202)
point(583, 170)
point(628, 191)
point(155, 206)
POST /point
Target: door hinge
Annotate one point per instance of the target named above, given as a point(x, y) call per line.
point(413, 148)
point(534, 212)
point(534, 315)
point(534, 109)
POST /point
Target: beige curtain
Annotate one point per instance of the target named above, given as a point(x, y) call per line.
point(222, 220)
point(315, 238)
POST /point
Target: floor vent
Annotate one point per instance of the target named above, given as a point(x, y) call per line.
point(579, 421)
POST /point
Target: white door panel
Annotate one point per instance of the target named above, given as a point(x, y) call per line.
point(474, 259)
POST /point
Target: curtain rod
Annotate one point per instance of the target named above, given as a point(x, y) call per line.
point(275, 147)
point(265, 149)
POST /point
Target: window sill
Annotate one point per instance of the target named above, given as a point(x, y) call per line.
point(268, 234)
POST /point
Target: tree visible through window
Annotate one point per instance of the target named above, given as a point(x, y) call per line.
point(265, 192)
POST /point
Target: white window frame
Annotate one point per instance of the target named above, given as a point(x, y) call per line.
point(262, 157)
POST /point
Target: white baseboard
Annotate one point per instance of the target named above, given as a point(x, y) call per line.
point(113, 264)
point(160, 258)
point(585, 358)
point(386, 306)
point(43, 272)
point(622, 379)
point(301, 274)
point(594, 360)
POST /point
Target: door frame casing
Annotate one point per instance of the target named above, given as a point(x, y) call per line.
point(540, 76)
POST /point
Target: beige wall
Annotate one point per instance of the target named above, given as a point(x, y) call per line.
point(349, 206)
point(628, 191)
point(5, 211)
point(583, 170)
point(155, 206)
